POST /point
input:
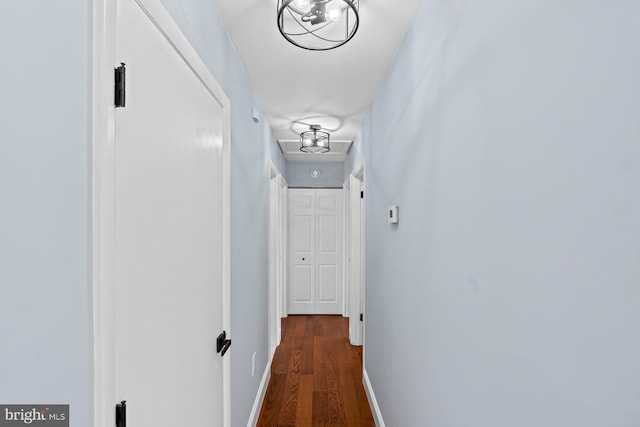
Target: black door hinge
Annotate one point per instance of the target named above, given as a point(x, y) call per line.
point(362, 317)
point(121, 414)
point(120, 85)
point(362, 194)
point(222, 343)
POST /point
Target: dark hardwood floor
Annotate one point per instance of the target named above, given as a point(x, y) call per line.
point(316, 377)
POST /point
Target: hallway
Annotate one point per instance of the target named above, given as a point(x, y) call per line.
point(316, 376)
point(493, 162)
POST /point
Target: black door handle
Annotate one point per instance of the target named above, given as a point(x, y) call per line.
point(227, 344)
point(121, 414)
point(222, 343)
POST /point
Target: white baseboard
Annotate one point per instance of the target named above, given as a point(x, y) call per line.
point(257, 404)
point(373, 403)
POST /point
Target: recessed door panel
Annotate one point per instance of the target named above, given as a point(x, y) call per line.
point(303, 239)
point(328, 233)
point(327, 283)
point(302, 283)
point(303, 201)
point(326, 201)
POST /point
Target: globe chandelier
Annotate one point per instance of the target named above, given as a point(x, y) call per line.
point(314, 140)
point(318, 24)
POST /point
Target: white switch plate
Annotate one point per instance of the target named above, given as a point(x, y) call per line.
point(392, 214)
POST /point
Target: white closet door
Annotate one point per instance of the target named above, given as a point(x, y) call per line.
point(315, 257)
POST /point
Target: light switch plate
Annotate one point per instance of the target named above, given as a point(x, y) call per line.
point(392, 214)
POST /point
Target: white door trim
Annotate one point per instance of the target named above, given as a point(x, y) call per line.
point(103, 189)
point(274, 291)
point(356, 246)
point(358, 171)
point(283, 249)
point(346, 271)
point(277, 256)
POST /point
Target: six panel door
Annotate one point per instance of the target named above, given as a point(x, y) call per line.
point(315, 251)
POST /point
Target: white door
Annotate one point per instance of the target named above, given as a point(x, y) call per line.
point(356, 257)
point(169, 233)
point(315, 251)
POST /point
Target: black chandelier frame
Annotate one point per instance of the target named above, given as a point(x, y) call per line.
point(284, 6)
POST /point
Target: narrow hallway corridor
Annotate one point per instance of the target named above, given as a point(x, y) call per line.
point(316, 376)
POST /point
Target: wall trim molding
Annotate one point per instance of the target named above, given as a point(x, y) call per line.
point(262, 390)
point(373, 403)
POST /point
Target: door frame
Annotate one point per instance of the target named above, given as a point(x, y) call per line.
point(277, 259)
point(284, 244)
point(103, 195)
point(346, 271)
point(356, 256)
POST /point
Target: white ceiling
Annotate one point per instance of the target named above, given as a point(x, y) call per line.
point(296, 87)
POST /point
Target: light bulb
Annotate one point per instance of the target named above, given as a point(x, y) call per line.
point(333, 13)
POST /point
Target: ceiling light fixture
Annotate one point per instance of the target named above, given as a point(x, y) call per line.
point(314, 140)
point(318, 24)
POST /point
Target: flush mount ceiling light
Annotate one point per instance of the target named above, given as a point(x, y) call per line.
point(318, 24)
point(314, 140)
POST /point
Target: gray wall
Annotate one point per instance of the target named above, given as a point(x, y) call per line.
point(509, 293)
point(251, 148)
point(330, 174)
point(45, 276)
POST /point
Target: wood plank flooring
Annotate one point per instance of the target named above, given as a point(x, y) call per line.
point(316, 377)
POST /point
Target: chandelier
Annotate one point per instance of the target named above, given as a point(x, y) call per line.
point(318, 24)
point(314, 140)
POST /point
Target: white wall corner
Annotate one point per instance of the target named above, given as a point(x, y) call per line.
point(262, 390)
point(373, 403)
